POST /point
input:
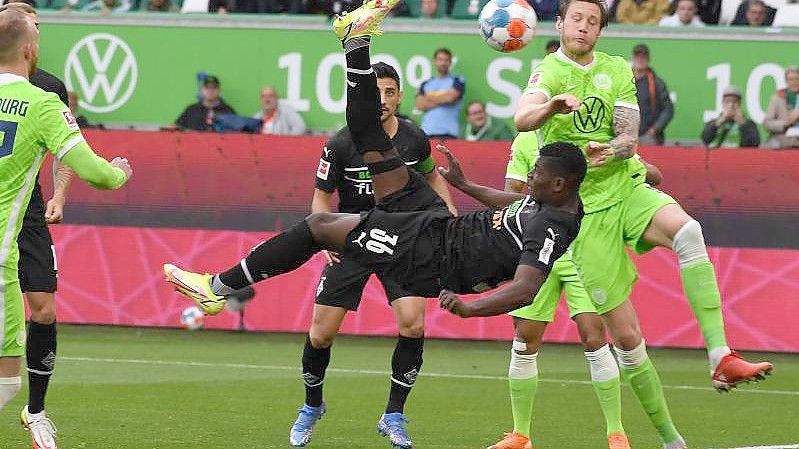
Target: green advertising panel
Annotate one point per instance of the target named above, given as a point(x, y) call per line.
point(146, 74)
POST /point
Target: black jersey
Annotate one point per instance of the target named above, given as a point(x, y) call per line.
point(482, 249)
point(34, 215)
point(341, 167)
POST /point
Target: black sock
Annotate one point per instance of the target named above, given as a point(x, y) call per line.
point(405, 366)
point(40, 355)
point(314, 365)
point(363, 99)
point(280, 254)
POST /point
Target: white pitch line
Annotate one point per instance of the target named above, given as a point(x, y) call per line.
point(788, 446)
point(423, 374)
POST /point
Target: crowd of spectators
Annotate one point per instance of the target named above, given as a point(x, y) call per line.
point(650, 12)
point(439, 108)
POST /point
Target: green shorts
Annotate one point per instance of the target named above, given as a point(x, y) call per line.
point(562, 278)
point(12, 326)
point(599, 252)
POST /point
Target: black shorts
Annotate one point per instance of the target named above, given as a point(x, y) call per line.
point(404, 247)
point(342, 284)
point(38, 267)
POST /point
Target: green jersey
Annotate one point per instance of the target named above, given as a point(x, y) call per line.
point(32, 122)
point(523, 153)
point(602, 85)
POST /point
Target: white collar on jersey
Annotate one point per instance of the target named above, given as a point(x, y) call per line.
point(8, 78)
point(571, 61)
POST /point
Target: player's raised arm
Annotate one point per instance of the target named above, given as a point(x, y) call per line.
point(518, 293)
point(490, 197)
point(536, 108)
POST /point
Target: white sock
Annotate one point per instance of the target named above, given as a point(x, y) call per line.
point(715, 355)
point(35, 416)
point(603, 365)
point(522, 366)
point(679, 443)
point(9, 387)
point(634, 357)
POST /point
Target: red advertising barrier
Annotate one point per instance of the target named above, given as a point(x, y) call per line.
point(112, 275)
point(277, 173)
point(192, 195)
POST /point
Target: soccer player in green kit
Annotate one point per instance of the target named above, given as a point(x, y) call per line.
point(530, 323)
point(32, 122)
point(588, 98)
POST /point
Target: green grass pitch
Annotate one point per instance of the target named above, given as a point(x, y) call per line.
point(125, 388)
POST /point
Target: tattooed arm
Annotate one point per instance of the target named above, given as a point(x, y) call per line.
point(626, 122)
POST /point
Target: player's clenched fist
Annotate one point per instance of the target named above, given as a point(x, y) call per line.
point(451, 302)
point(564, 103)
point(122, 163)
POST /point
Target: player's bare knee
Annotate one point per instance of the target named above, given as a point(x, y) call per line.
point(43, 309)
point(320, 340)
point(593, 341)
point(627, 340)
point(591, 330)
point(412, 330)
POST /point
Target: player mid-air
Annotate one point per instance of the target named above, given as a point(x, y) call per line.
point(429, 253)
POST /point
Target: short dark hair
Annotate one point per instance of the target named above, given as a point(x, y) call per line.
point(552, 43)
point(442, 50)
point(383, 70)
point(563, 6)
point(757, 2)
point(569, 161)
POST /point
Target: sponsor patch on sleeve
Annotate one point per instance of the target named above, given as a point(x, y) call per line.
point(72, 124)
point(324, 169)
point(546, 251)
point(534, 79)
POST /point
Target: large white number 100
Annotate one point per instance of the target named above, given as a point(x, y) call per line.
point(293, 62)
point(378, 239)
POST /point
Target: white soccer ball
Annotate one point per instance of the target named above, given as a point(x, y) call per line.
point(507, 25)
point(192, 318)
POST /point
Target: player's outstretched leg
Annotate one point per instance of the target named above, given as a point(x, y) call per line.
point(389, 174)
point(281, 254)
point(673, 228)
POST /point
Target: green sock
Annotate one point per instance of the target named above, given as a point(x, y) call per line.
point(522, 395)
point(609, 394)
point(702, 290)
point(646, 385)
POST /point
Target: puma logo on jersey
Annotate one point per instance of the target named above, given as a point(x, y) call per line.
point(359, 239)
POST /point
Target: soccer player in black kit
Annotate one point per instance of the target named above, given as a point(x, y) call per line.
point(428, 253)
point(341, 168)
point(38, 274)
